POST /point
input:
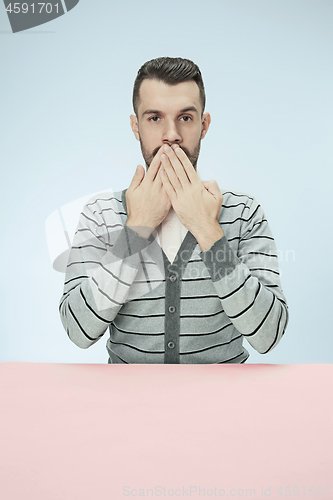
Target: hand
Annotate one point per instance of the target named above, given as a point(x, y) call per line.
point(213, 188)
point(197, 204)
point(147, 200)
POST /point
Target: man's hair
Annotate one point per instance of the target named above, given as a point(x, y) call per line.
point(170, 70)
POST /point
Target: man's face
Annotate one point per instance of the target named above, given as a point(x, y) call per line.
point(169, 114)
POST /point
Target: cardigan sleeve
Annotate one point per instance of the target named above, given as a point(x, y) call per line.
point(248, 282)
point(105, 269)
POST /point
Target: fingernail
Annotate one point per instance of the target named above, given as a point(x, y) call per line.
point(174, 146)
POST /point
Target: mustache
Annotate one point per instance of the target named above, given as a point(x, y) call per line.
point(186, 151)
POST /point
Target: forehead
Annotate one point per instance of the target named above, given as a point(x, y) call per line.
point(158, 95)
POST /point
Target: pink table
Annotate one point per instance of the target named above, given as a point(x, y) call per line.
point(108, 432)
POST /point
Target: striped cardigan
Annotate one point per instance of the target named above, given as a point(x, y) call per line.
point(196, 310)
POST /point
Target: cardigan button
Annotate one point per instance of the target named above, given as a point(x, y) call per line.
point(172, 309)
point(171, 345)
point(173, 278)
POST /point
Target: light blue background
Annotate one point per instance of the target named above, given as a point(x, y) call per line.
point(66, 90)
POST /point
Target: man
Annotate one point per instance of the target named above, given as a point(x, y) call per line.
point(178, 270)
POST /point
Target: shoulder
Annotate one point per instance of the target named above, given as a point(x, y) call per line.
point(102, 198)
point(104, 201)
point(238, 207)
point(232, 198)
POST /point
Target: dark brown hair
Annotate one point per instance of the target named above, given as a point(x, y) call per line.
point(170, 70)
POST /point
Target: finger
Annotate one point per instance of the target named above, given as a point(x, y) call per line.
point(177, 165)
point(188, 167)
point(167, 185)
point(171, 174)
point(154, 166)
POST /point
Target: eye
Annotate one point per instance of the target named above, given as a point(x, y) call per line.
point(186, 118)
point(153, 118)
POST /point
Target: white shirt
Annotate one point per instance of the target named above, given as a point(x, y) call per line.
point(170, 234)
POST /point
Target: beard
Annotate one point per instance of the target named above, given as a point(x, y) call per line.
point(191, 155)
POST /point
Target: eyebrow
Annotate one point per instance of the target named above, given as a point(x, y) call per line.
point(156, 112)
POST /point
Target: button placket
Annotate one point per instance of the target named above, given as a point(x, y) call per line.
point(172, 315)
point(173, 275)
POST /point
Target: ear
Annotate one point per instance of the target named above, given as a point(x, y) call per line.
point(134, 126)
point(205, 122)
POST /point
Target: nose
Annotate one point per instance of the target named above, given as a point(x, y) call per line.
point(171, 134)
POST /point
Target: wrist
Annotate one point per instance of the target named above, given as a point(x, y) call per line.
point(206, 236)
point(142, 230)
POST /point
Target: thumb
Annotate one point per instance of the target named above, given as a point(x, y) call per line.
point(212, 187)
point(138, 176)
point(206, 184)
